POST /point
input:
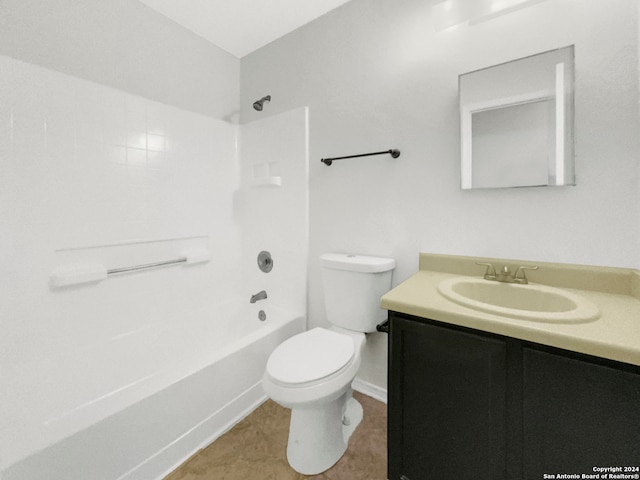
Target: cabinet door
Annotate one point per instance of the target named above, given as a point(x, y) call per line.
point(578, 413)
point(447, 403)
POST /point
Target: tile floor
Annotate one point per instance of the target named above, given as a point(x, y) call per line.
point(255, 449)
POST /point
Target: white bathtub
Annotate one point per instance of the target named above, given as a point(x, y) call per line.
point(209, 379)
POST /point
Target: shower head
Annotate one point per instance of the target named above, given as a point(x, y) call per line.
point(260, 103)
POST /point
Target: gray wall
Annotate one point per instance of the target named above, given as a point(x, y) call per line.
point(376, 75)
point(122, 44)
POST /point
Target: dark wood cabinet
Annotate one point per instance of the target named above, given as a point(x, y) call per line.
point(447, 400)
point(468, 404)
point(578, 412)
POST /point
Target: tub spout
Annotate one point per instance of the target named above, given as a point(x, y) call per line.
point(258, 296)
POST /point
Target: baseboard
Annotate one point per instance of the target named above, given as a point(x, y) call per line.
point(369, 389)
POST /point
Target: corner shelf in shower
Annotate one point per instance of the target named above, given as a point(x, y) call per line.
point(266, 182)
point(265, 174)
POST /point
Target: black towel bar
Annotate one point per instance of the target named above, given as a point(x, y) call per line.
point(393, 152)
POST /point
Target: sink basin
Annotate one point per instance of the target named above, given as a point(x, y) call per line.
point(529, 302)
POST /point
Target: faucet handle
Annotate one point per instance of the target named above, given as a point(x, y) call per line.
point(490, 272)
point(520, 277)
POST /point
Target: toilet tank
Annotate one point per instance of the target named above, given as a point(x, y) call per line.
point(353, 285)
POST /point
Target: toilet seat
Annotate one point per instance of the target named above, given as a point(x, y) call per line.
point(310, 356)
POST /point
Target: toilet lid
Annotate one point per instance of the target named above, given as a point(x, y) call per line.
point(310, 356)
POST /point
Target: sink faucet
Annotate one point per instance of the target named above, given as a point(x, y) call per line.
point(261, 295)
point(505, 274)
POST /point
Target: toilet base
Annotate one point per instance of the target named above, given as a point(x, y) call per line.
point(319, 433)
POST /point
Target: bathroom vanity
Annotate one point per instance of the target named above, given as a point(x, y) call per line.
point(486, 395)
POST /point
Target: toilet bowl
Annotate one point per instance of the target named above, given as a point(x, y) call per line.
point(311, 373)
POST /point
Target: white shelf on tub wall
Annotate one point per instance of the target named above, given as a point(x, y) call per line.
point(267, 182)
point(266, 174)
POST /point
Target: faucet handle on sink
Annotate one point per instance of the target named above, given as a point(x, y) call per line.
point(490, 273)
point(520, 277)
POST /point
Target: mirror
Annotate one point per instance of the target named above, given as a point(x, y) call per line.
point(516, 122)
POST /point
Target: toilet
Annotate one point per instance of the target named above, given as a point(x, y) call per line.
point(311, 373)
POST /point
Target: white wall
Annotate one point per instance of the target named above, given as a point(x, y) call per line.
point(126, 45)
point(375, 75)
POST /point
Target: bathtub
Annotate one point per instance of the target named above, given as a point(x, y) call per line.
point(209, 379)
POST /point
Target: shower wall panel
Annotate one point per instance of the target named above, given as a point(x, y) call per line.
point(272, 202)
point(91, 174)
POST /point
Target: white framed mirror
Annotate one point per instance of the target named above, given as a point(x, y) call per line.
point(516, 123)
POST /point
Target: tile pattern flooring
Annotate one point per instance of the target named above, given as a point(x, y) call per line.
point(255, 449)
